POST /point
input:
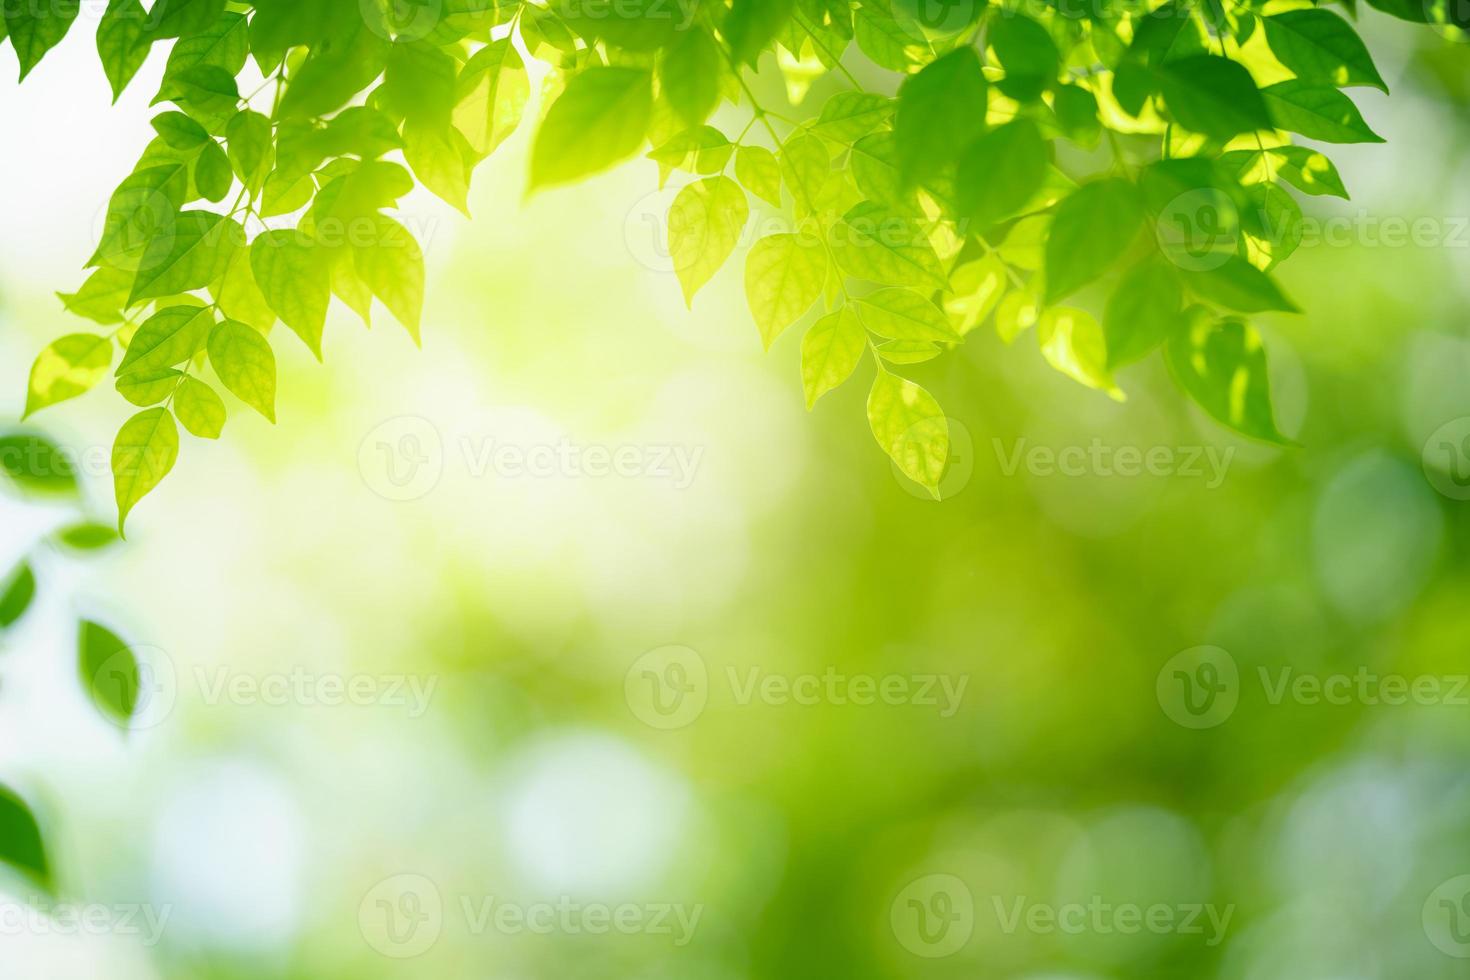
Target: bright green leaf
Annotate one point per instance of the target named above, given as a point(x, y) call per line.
point(145, 451)
point(830, 352)
point(911, 428)
point(246, 365)
point(70, 366)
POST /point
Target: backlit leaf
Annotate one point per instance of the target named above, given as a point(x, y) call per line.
point(145, 451)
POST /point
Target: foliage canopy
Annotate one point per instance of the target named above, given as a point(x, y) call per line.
point(947, 190)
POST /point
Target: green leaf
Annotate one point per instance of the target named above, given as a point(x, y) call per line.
point(102, 297)
point(1073, 343)
point(873, 243)
point(337, 69)
point(252, 148)
point(179, 131)
point(1318, 112)
point(689, 74)
point(178, 18)
point(600, 120)
point(874, 165)
point(1141, 312)
point(392, 266)
point(1027, 54)
point(784, 275)
point(70, 366)
point(1273, 225)
point(438, 158)
point(36, 465)
point(16, 595)
point(141, 216)
point(419, 84)
point(941, 110)
point(849, 116)
point(147, 388)
point(199, 409)
point(123, 42)
point(491, 96)
point(1238, 285)
point(705, 224)
point(701, 150)
point(902, 314)
point(1000, 172)
point(1091, 230)
point(1214, 96)
point(86, 536)
point(1222, 366)
point(225, 44)
point(911, 428)
point(201, 244)
point(977, 290)
point(752, 24)
point(294, 278)
point(20, 839)
point(634, 25)
point(108, 670)
point(888, 43)
point(146, 449)
point(1319, 46)
point(830, 352)
point(757, 168)
point(213, 173)
point(167, 338)
point(908, 351)
point(1300, 166)
point(207, 93)
point(246, 365)
point(239, 297)
point(36, 28)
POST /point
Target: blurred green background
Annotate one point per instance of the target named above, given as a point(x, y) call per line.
point(555, 764)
